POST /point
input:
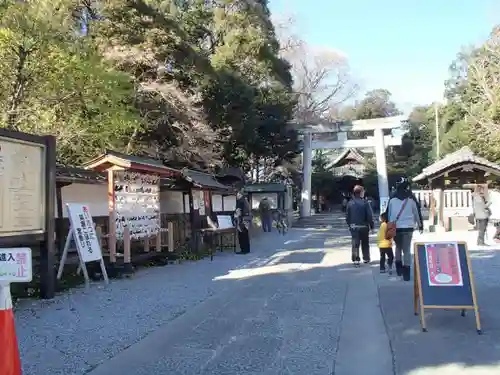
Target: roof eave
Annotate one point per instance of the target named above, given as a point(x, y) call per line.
point(475, 164)
point(210, 186)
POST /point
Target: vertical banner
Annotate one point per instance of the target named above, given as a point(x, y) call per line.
point(443, 264)
point(384, 201)
point(201, 200)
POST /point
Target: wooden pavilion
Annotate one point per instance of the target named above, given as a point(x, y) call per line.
point(460, 169)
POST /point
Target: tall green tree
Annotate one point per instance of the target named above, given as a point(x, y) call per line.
point(191, 82)
point(418, 144)
point(323, 181)
point(473, 93)
point(209, 83)
point(250, 100)
point(376, 103)
point(55, 82)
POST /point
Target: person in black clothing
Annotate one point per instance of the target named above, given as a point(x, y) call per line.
point(359, 217)
point(242, 222)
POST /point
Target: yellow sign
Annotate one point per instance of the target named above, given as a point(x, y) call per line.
point(22, 187)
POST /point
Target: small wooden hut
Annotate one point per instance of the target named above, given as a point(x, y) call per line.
point(456, 170)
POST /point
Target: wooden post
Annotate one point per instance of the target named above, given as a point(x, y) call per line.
point(194, 218)
point(158, 241)
point(170, 236)
point(60, 219)
point(127, 254)
point(207, 201)
point(48, 248)
point(146, 244)
point(98, 232)
point(441, 208)
point(126, 246)
point(112, 219)
point(432, 208)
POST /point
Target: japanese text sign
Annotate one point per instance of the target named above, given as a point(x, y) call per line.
point(15, 265)
point(84, 233)
point(443, 264)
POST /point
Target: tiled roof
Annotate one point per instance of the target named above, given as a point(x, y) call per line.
point(203, 180)
point(462, 156)
point(128, 161)
point(231, 172)
point(66, 174)
point(351, 153)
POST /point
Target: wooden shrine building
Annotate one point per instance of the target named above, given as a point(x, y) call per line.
point(459, 169)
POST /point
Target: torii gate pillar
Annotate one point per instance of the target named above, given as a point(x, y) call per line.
point(305, 198)
point(379, 142)
point(381, 162)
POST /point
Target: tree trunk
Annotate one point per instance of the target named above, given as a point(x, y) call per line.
point(131, 141)
point(18, 87)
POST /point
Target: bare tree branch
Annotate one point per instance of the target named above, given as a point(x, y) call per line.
point(322, 81)
point(322, 78)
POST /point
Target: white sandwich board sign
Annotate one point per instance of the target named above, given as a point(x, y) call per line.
point(82, 231)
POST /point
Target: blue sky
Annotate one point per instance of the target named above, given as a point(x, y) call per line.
point(405, 46)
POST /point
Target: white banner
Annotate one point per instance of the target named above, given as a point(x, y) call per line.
point(202, 202)
point(84, 234)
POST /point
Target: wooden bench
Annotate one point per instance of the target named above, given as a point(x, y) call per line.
point(214, 234)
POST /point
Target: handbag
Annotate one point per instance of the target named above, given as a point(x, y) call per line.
point(487, 210)
point(471, 219)
point(390, 231)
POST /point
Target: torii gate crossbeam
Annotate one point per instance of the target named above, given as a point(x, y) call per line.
point(336, 134)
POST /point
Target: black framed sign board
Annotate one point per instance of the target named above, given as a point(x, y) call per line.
point(443, 279)
point(27, 199)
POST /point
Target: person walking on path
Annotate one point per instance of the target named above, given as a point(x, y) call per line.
point(494, 199)
point(359, 217)
point(482, 213)
point(242, 222)
point(344, 204)
point(385, 246)
point(403, 211)
point(266, 215)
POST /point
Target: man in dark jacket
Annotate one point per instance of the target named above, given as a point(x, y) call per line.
point(359, 217)
point(242, 222)
point(266, 215)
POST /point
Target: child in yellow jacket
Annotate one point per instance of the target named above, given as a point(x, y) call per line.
point(385, 246)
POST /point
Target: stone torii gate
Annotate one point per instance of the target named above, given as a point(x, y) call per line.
point(333, 135)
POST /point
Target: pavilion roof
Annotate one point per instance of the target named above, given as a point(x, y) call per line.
point(463, 158)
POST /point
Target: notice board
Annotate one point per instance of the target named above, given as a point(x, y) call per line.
point(443, 279)
point(22, 187)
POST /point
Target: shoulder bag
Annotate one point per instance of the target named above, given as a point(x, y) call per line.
point(390, 231)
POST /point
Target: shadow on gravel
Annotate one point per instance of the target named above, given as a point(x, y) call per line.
point(275, 311)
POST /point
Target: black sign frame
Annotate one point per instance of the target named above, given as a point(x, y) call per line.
point(46, 240)
point(444, 297)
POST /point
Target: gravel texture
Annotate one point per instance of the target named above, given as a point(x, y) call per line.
point(283, 317)
point(77, 330)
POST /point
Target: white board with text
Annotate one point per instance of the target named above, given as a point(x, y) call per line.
point(84, 233)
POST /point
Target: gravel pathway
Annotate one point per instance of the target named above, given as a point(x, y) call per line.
point(80, 329)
